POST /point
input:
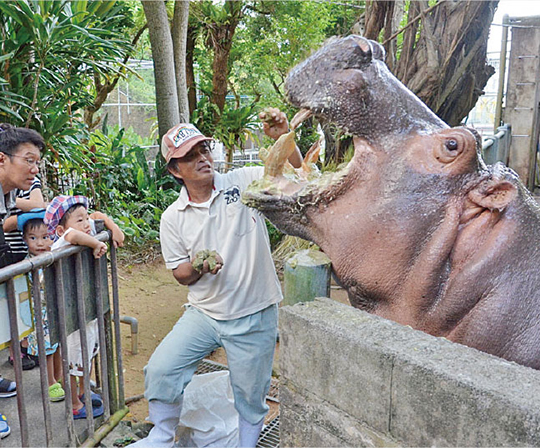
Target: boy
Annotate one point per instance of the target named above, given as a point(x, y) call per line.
point(36, 237)
point(68, 222)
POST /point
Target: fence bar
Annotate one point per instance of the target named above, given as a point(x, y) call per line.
point(17, 362)
point(43, 260)
point(81, 314)
point(502, 72)
point(42, 355)
point(117, 336)
point(101, 328)
point(111, 374)
point(61, 306)
point(62, 299)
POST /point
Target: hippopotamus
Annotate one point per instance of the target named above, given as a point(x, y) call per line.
point(418, 228)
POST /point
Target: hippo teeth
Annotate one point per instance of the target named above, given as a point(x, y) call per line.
point(278, 155)
point(300, 117)
point(281, 179)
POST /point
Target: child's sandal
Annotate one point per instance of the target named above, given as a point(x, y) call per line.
point(56, 392)
point(5, 430)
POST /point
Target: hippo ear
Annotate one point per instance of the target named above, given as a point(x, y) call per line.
point(494, 194)
point(377, 50)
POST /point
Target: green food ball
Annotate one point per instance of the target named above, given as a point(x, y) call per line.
point(201, 256)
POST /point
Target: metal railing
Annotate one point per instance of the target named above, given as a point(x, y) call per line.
point(76, 291)
point(496, 148)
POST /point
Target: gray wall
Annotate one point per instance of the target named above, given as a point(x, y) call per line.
point(349, 378)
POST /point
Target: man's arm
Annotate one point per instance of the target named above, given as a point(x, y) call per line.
point(82, 239)
point(117, 234)
point(34, 201)
point(186, 274)
point(10, 224)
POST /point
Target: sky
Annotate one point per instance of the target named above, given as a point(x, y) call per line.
point(514, 8)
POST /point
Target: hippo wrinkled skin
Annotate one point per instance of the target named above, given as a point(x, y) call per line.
point(418, 228)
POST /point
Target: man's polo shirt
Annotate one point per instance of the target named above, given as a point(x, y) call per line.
point(247, 283)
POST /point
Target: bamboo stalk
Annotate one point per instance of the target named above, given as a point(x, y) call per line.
point(106, 428)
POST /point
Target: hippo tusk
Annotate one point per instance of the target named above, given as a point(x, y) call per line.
point(300, 117)
point(311, 157)
point(279, 154)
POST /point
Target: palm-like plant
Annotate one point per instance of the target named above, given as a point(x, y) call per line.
point(49, 53)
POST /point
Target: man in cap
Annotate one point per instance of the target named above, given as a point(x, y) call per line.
point(233, 295)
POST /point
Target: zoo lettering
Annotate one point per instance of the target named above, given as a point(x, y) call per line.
point(232, 195)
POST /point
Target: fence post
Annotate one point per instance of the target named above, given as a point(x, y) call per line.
point(307, 275)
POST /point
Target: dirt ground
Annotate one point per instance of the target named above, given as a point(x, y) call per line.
point(149, 293)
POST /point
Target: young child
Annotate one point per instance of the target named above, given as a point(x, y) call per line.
point(36, 236)
point(68, 222)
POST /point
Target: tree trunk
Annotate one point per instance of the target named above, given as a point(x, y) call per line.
point(179, 39)
point(221, 39)
point(163, 56)
point(190, 72)
point(443, 57)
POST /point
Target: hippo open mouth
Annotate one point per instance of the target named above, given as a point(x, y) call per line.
point(286, 187)
point(347, 83)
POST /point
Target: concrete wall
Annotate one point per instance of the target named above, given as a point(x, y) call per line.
point(349, 378)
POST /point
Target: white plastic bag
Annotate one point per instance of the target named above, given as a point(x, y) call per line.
point(208, 417)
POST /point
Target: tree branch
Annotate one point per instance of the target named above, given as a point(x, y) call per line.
point(416, 19)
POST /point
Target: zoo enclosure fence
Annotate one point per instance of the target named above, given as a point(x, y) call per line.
point(76, 291)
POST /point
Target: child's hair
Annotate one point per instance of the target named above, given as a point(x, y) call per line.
point(11, 137)
point(69, 212)
point(32, 224)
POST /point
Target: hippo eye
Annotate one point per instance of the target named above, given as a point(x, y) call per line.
point(451, 145)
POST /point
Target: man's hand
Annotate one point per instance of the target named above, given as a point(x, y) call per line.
point(100, 250)
point(275, 122)
point(212, 268)
point(207, 261)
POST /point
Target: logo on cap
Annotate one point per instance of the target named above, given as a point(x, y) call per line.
point(182, 134)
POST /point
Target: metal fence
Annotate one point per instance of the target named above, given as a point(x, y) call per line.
point(496, 148)
point(76, 290)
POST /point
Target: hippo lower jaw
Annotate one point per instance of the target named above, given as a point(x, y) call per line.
point(285, 189)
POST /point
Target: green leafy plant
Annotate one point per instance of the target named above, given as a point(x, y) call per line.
point(234, 126)
point(50, 52)
point(122, 184)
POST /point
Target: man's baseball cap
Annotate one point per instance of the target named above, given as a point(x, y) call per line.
point(180, 139)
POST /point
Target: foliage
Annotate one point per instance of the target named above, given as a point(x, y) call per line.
point(118, 178)
point(235, 124)
point(49, 53)
point(275, 235)
point(269, 45)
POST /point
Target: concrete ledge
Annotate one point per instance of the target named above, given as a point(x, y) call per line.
point(349, 378)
